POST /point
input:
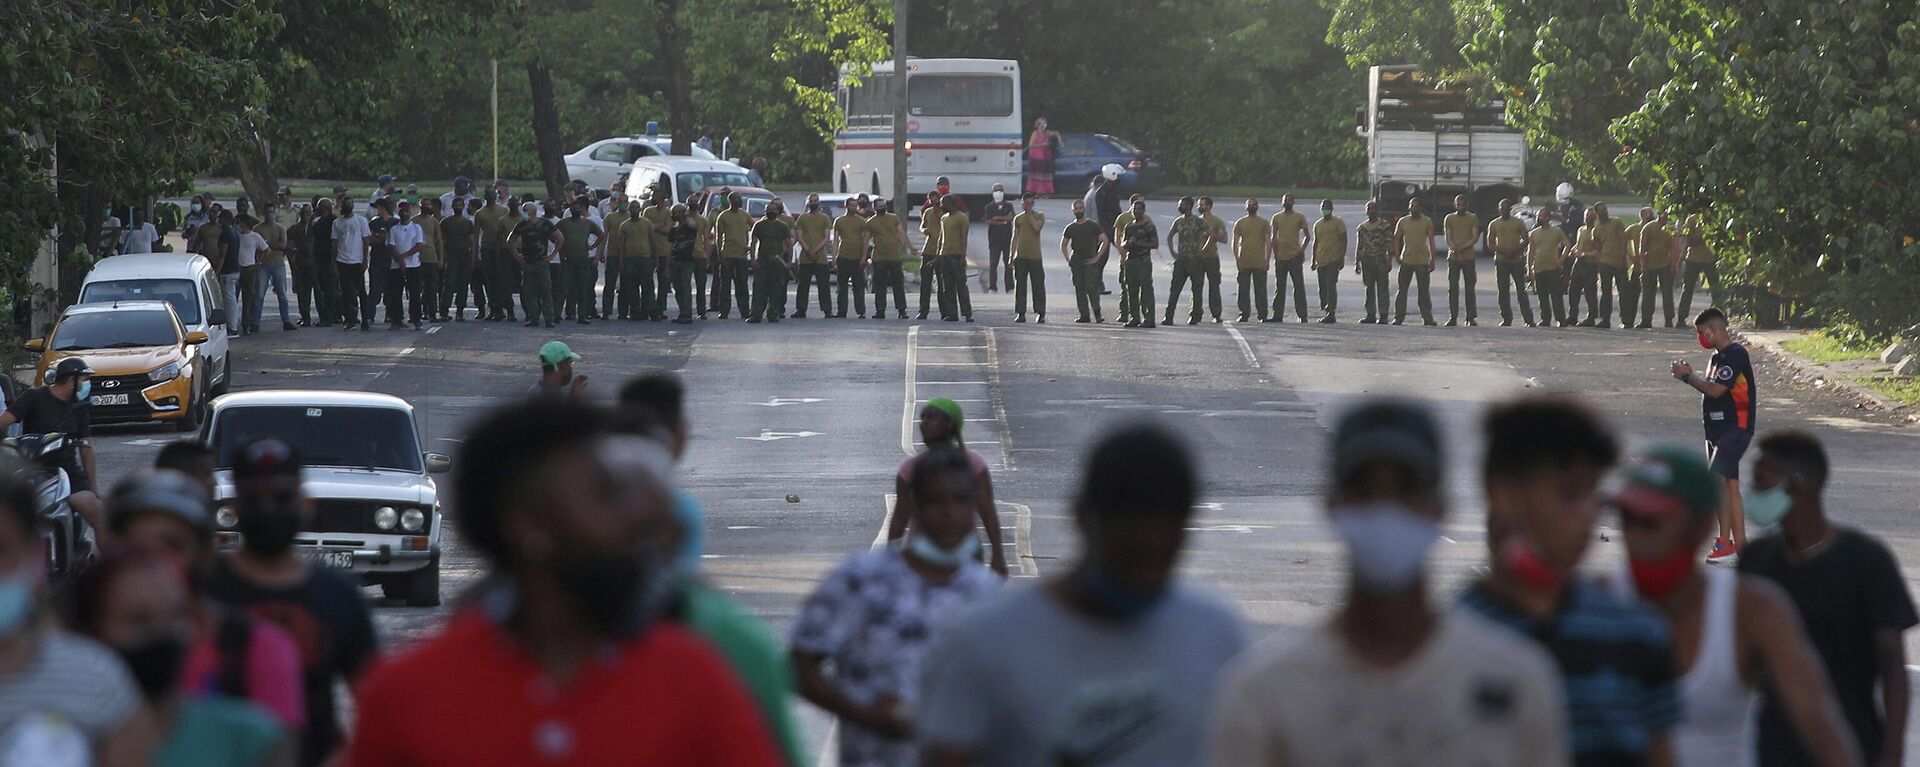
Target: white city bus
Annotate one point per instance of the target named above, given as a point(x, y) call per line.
point(963, 122)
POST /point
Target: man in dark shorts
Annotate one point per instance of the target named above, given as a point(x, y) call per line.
point(62, 407)
point(1851, 599)
point(1728, 403)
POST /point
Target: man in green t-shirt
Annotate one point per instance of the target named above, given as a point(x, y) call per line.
point(1413, 248)
point(731, 231)
point(683, 244)
point(650, 274)
point(1507, 237)
point(850, 256)
point(812, 229)
point(1463, 233)
point(1611, 235)
point(772, 264)
point(888, 235)
point(1250, 257)
point(576, 259)
point(1207, 264)
point(1139, 238)
point(954, 226)
point(496, 221)
point(530, 238)
point(1080, 245)
point(1329, 257)
point(930, 214)
point(637, 264)
point(612, 247)
point(1286, 229)
point(1029, 272)
point(1373, 260)
point(456, 235)
point(1656, 268)
point(1186, 237)
point(1546, 251)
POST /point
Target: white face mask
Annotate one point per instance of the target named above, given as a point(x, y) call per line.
point(999, 196)
point(1386, 545)
point(1765, 508)
point(929, 552)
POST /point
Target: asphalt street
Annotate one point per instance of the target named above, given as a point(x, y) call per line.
point(800, 426)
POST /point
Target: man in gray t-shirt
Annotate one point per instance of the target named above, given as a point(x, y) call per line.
point(1113, 662)
point(70, 693)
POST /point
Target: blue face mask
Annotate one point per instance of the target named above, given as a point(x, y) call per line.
point(1114, 599)
point(16, 600)
point(85, 387)
point(927, 551)
point(1766, 507)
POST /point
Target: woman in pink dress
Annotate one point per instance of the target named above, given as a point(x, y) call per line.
point(1041, 147)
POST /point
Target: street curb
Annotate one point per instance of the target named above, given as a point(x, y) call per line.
point(1860, 394)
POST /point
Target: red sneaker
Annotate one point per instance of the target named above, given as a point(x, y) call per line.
point(1727, 553)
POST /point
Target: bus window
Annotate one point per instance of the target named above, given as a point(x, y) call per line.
point(871, 102)
point(960, 96)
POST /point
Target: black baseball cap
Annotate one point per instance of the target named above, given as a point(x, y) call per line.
point(269, 464)
point(70, 367)
point(1387, 430)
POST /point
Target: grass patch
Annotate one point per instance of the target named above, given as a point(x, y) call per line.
point(1904, 390)
point(1821, 349)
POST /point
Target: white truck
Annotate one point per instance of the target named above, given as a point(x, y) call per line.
point(1434, 142)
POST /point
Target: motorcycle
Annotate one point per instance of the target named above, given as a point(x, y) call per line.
point(69, 541)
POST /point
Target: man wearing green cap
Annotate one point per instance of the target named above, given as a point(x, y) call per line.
point(940, 424)
point(1733, 629)
point(556, 373)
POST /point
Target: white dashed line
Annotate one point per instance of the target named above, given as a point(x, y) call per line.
point(1246, 350)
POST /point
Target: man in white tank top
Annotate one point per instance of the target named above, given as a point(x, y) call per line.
point(1729, 631)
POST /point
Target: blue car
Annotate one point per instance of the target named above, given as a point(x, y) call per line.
point(1083, 154)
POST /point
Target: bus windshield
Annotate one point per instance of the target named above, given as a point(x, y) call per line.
point(960, 95)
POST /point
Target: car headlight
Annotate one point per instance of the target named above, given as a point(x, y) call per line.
point(385, 517)
point(225, 517)
point(165, 372)
point(412, 520)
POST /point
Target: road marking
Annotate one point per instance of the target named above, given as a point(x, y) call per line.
point(1246, 350)
point(1229, 528)
point(406, 351)
point(953, 347)
point(769, 435)
point(784, 401)
point(1004, 434)
point(912, 399)
point(954, 383)
point(434, 329)
point(948, 364)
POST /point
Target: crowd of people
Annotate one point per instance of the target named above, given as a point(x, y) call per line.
point(593, 254)
point(593, 638)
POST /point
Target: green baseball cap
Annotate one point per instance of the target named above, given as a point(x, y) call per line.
point(1668, 479)
point(554, 353)
point(951, 408)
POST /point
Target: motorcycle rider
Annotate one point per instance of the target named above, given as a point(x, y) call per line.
point(62, 406)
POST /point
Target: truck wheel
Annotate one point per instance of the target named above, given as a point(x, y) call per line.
point(422, 587)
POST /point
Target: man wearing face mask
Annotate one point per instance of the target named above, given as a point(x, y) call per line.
point(772, 267)
point(1462, 230)
point(954, 226)
point(1080, 245)
point(1743, 627)
point(1451, 687)
point(1329, 257)
point(1187, 234)
point(1544, 462)
point(1851, 597)
point(1507, 236)
point(62, 406)
point(579, 236)
point(1373, 260)
point(875, 616)
point(562, 640)
point(888, 235)
point(850, 240)
point(813, 229)
point(1139, 238)
point(1119, 661)
point(732, 231)
point(1207, 264)
point(531, 238)
point(323, 611)
point(999, 214)
point(1730, 408)
point(55, 687)
point(1250, 237)
point(1287, 229)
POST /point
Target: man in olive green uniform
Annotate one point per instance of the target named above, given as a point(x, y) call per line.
point(1413, 247)
point(930, 215)
point(1546, 250)
point(888, 235)
point(1630, 276)
point(1508, 238)
point(704, 254)
point(496, 222)
point(457, 235)
point(1250, 251)
point(1029, 272)
point(954, 226)
point(1701, 263)
point(1373, 260)
point(1329, 257)
point(433, 248)
point(1185, 237)
point(1656, 269)
point(1207, 264)
point(576, 258)
point(1611, 234)
point(1287, 229)
point(850, 255)
point(683, 244)
point(731, 230)
point(772, 250)
point(612, 249)
point(1128, 312)
point(530, 238)
point(1081, 245)
point(1586, 271)
point(1463, 234)
point(652, 278)
point(812, 228)
point(1138, 240)
point(636, 261)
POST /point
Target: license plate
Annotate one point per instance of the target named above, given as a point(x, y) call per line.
point(962, 159)
point(108, 399)
point(337, 559)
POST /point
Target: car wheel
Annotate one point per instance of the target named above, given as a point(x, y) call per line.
point(420, 588)
point(190, 420)
point(225, 380)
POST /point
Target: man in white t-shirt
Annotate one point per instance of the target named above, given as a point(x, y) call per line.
point(1388, 680)
point(350, 248)
point(140, 237)
point(407, 240)
point(250, 247)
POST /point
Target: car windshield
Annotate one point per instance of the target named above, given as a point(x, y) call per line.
point(691, 182)
point(119, 329)
point(176, 292)
point(1122, 144)
point(353, 437)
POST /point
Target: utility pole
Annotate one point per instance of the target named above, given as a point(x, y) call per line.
point(900, 107)
point(494, 101)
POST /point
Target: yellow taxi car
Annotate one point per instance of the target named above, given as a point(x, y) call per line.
point(147, 367)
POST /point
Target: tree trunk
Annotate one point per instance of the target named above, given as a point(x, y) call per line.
point(80, 204)
point(255, 166)
point(546, 127)
point(673, 50)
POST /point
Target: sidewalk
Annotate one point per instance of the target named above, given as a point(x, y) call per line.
point(1834, 377)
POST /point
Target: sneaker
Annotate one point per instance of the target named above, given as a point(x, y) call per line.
point(1084, 319)
point(1450, 322)
point(800, 315)
point(1021, 318)
point(1507, 322)
point(1243, 318)
point(1400, 321)
point(1727, 554)
point(1193, 320)
point(1327, 320)
point(1148, 324)
point(1041, 320)
point(1428, 323)
point(1367, 321)
point(531, 324)
point(1472, 323)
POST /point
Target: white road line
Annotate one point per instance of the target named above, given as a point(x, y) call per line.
point(948, 364)
point(911, 400)
point(434, 329)
point(1023, 541)
point(954, 383)
point(880, 540)
point(953, 347)
point(407, 351)
point(1004, 433)
point(1246, 350)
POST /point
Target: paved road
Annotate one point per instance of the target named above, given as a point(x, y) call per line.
point(816, 409)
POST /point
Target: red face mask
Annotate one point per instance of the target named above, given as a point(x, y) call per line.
point(1657, 578)
point(1704, 343)
point(1523, 559)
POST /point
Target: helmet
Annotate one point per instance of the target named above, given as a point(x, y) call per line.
point(1112, 171)
point(1563, 192)
point(70, 367)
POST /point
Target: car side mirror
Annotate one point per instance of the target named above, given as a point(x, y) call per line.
point(35, 345)
point(438, 463)
point(196, 337)
point(217, 317)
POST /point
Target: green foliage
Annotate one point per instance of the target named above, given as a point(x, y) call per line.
point(1422, 32)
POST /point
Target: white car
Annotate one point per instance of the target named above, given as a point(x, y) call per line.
point(376, 507)
point(603, 162)
point(185, 280)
